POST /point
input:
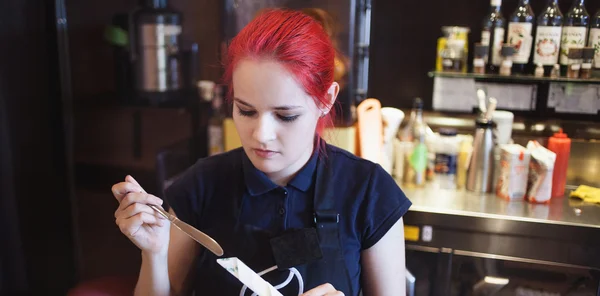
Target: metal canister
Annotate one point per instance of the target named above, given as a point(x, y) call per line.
point(481, 166)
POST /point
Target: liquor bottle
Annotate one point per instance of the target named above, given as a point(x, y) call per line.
point(216, 141)
point(492, 35)
point(546, 48)
point(594, 41)
point(574, 32)
point(520, 29)
point(416, 160)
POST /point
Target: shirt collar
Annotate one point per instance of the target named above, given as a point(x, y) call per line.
point(258, 183)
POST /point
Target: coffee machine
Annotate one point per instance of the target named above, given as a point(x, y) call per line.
point(151, 63)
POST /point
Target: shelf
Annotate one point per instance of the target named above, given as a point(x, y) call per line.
point(511, 79)
point(115, 100)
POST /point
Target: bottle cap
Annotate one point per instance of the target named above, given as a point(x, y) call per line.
point(448, 132)
point(418, 103)
point(560, 134)
point(588, 53)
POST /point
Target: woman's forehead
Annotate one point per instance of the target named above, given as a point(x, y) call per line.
point(266, 83)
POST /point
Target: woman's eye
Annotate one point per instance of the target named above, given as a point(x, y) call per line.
point(288, 118)
point(246, 113)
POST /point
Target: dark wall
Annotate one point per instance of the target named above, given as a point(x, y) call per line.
point(30, 92)
point(404, 40)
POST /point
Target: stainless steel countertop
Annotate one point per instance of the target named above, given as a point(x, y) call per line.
point(564, 211)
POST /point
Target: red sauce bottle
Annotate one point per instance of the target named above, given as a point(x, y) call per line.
point(561, 145)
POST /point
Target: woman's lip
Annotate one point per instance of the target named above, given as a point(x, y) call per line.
point(264, 153)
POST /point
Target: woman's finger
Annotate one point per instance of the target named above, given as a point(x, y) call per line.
point(134, 209)
point(130, 179)
point(322, 290)
point(121, 189)
point(132, 225)
point(142, 198)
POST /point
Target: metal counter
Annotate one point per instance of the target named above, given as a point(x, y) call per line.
point(563, 211)
point(565, 232)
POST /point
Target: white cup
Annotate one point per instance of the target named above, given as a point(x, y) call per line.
point(504, 124)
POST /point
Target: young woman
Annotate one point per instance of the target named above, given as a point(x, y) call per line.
point(315, 219)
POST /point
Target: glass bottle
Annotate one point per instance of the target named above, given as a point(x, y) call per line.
point(492, 35)
point(574, 33)
point(480, 58)
point(586, 63)
point(416, 159)
point(507, 63)
point(216, 137)
point(575, 55)
point(520, 30)
point(594, 40)
point(546, 49)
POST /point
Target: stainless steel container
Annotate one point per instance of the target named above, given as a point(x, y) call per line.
point(481, 165)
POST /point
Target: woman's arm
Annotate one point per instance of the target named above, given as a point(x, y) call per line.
point(383, 265)
point(168, 274)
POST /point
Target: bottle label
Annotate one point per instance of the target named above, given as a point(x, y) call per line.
point(498, 39)
point(519, 36)
point(586, 66)
point(445, 164)
point(496, 2)
point(547, 45)
point(572, 37)
point(595, 43)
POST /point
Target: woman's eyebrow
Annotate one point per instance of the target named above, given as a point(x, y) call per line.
point(284, 107)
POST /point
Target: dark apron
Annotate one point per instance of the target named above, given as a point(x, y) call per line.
point(252, 245)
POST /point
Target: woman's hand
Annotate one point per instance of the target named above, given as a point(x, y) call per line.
point(147, 229)
point(323, 290)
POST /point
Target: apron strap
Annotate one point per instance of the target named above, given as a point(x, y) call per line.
point(327, 220)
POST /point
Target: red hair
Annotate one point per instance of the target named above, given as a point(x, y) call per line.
point(295, 40)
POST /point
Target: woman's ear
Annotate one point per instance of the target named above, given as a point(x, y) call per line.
point(332, 94)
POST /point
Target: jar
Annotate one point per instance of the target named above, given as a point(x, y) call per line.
point(586, 63)
point(459, 49)
point(446, 156)
point(452, 56)
point(480, 58)
point(574, 62)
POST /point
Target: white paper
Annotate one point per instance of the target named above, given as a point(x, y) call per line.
point(454, 94)
point(248, 277)
point(574, 98)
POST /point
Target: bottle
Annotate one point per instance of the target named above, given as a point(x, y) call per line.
point(216, 140)
point(586, 63)
point(415, 132)
point(575, 59)
point(574, 33)
point(594, 41)
point(507, 60)
point(492, 35)
point(480, 58)
point(446, 158)
point(561, 145)
point(520, 29)
point(546, 49)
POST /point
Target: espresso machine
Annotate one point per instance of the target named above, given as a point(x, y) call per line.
point(152, 64)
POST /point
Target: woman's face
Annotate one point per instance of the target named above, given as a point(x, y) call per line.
point(275, 118)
